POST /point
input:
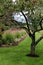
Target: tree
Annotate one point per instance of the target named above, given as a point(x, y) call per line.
point(34, 17)
point(6, 11)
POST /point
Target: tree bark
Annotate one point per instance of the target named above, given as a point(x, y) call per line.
point(33, 45)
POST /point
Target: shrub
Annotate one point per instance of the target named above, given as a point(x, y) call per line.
point(8, 38)
point(5, 28)
point(23, 33)
point(17, 35)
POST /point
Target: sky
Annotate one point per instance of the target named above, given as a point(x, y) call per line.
point(13, 0)
point(19, 17)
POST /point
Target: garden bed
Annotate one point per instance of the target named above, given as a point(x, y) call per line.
point(12, 37)
point(15, 43)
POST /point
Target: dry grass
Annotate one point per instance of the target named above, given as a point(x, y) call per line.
point(13, 31)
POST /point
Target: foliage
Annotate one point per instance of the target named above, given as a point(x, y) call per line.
point(8, 38)
point(6, 11)
point(17, 35)
point(34, 11)
point(23, 33)
point(11, 38)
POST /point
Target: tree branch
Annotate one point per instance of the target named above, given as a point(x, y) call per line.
point(29, 32)
point(17, 22)
point(25, 29)
point(38, 40)
point(38, 30)
point(26, 20)
point(41, 23)
point(22, 27)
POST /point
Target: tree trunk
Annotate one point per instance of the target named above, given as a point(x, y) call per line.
point(32, 48)
point(32, 51)
point(33, 45)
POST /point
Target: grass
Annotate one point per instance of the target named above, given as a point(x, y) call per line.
point(17, 55)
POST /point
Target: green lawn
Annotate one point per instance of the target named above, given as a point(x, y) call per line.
point(16, 55)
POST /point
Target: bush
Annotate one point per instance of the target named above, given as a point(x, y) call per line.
point(11, 38)
point(17, 35)
point(8, 38)
point(5, 28)
point(23, 33)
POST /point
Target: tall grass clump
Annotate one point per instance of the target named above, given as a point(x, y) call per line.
point(11, 38)
point(23, 33)
point(8, 38)
point(17, 35)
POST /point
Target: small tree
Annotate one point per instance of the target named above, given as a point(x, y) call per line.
point(33, 20)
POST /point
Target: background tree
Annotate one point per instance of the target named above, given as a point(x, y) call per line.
point(6, 11)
